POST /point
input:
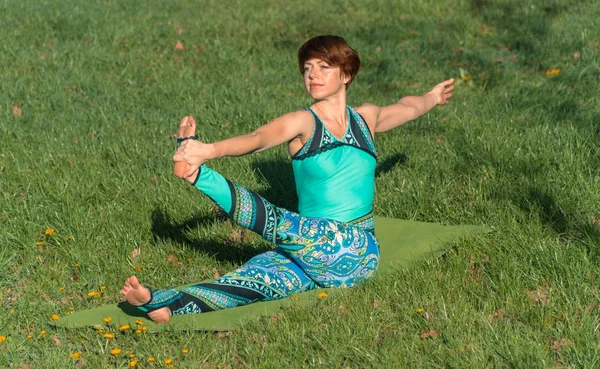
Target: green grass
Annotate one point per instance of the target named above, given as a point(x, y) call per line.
point(101, 88)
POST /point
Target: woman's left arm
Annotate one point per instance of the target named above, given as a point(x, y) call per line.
point(412, 107)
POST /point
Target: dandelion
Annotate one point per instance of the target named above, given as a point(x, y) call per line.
point(109, 336)
point(552, 72)
point(144, 328)
point(30, 336)
point(107, 319)
point(39, 243)
point(100, 330)
point(76, 265)
point(138, 269)
point(124, 327)
point(55, 317)
point(168, 361)
point(132, 363)
point(49, 232)
point(61, 289)
point(420, 310)
point(43, 332)
point(139, 322)
point(2, 339)
point(296, 297)
point(76, 355)
point(185, 351)
point(115, 351)
point(69, 238)
point(71, 308)
point(132, 355)
point(466, 78)
point(151, 359)
point(102, 288)
point(94, 294)
point(322, 295)
point(138, 331)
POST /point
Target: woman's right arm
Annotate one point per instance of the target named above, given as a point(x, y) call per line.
point(274, 133)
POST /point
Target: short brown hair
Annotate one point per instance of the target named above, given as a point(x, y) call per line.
point(334, 51)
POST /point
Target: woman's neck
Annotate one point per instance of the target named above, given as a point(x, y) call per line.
point(332, 109)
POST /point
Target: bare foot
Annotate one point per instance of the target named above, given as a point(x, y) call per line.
point(187, 128)
point(138, 295)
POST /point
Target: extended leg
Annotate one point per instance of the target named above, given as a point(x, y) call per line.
point(268, 276)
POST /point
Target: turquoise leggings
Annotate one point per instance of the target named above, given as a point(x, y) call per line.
point(310, 253)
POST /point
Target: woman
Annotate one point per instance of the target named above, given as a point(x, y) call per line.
point(331, 242)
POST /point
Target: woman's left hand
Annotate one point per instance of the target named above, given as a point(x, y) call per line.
point(441, 92)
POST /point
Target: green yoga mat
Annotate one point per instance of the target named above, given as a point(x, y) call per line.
point(401, 242)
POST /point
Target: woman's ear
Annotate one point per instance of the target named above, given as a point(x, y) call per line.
point(345, 78)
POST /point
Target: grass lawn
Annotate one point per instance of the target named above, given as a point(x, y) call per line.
point(91, 93)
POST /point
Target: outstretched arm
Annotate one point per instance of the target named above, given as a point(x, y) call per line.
point(411, 107)
point(274, 133)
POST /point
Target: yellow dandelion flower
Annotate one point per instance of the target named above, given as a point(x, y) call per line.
point(43, 332)
point(168, 361)
point(2, 339)
point(115, 351)
point(39, 243)
point(30, 336)
point(49, 232)
point(71, 308)
point(138, 331)
point(132, 355)
point(69, 238)
point(151, 358)
point(61, 289)
point(109, 336)
point(132, 363)
point(55, 317)
point(100, 330)
point(420, 310)
point(466, 78)
point(107, 319)
point(138, 269)
point(322, 295)
point(124, 327)
point(185, 351)
point(144, 328)
point(296, 297)
point(102, 288)
point(552, 72)
point(94, 294)
point(139, 322)
point(76, 265)
point(76, 355)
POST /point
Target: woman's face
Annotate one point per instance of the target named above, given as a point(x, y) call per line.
point(322, 80)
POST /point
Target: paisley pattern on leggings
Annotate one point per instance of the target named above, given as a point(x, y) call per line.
point(333, 254)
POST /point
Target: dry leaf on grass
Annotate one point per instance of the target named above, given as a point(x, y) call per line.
point(431, 333)
point(539, 296)
point(498, 315)
point(16, 110)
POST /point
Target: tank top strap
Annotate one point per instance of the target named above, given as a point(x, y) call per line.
point(360, 132)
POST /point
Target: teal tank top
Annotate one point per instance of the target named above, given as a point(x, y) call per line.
point(335, 178)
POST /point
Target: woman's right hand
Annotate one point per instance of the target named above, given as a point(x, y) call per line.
point(191, 154)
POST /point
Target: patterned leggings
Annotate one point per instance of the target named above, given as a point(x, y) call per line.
point(309, 253)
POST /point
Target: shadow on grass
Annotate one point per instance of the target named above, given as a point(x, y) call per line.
point(561, 221)
point(391, 162)
point(164, 228)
